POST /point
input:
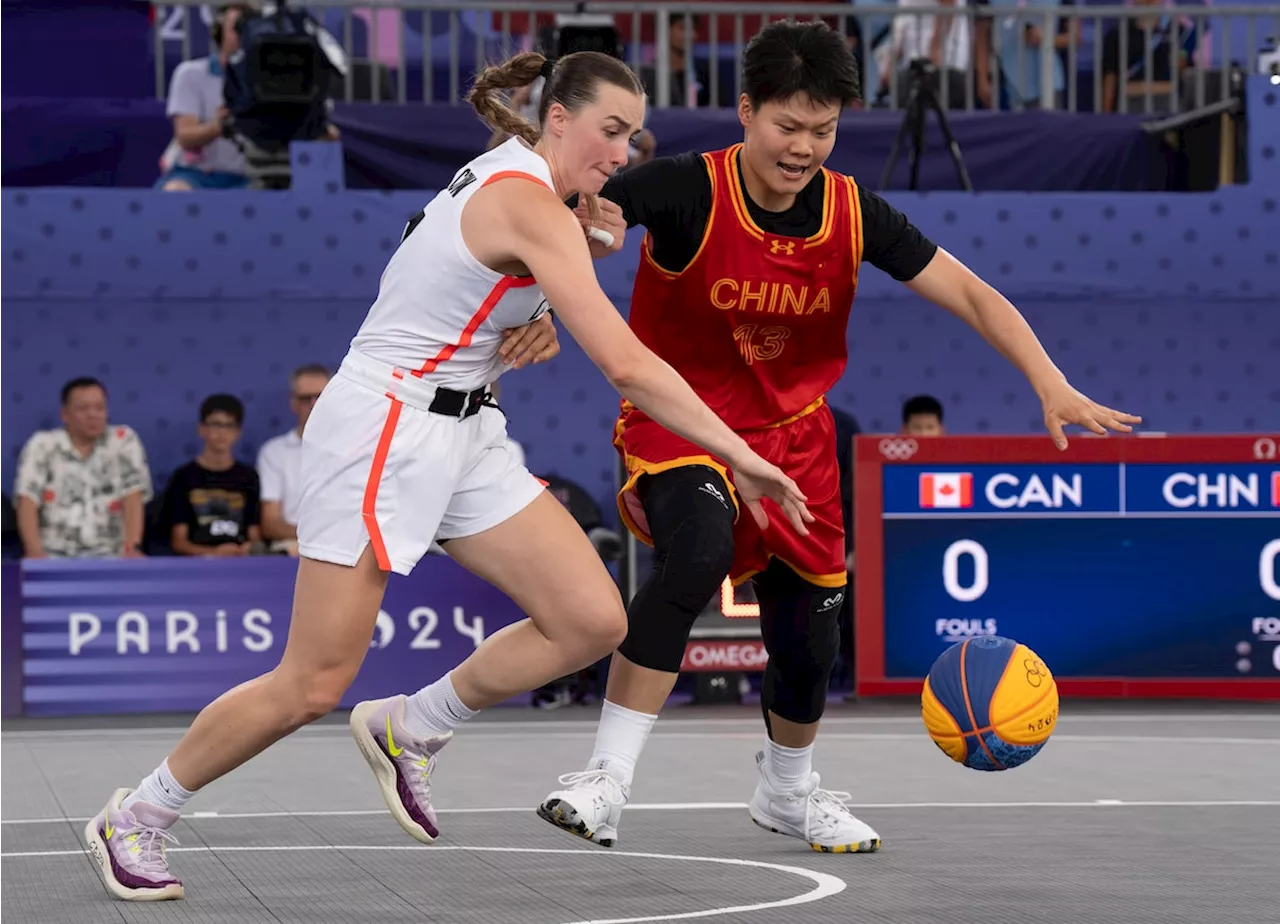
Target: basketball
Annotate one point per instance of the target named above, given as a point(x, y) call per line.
point(990, 703)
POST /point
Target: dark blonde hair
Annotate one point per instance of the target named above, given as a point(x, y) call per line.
point(571, 81)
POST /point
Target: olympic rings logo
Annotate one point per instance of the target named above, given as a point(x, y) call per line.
point(897, 449)
point(1035, 673)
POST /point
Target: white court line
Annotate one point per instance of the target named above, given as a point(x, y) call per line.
point(534, 732)
point(487, 810)
point(825, 885)
point(532, 726)
point(700, 807)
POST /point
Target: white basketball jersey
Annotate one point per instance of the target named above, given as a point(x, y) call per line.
point(440, 312)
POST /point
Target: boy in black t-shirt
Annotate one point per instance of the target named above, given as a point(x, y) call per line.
point(212, 502)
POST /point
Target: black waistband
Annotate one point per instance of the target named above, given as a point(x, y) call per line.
point(460, 404)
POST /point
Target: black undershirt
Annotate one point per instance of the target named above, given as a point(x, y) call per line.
point(671, 197)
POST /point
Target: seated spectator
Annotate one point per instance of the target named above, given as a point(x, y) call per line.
point(200, 157)
point(211, 503)
point(81, 488)
point(280, 460)
point(922, 416)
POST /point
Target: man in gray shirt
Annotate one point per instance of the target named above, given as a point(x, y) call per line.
point(199, 157)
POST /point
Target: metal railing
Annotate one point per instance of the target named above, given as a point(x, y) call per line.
point(992, 56)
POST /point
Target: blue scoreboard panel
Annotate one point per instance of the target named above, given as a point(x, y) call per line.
point(1132, 566)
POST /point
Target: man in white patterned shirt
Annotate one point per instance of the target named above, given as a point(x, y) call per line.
point(81, 488)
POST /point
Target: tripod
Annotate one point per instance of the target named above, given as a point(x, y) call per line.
point(922, 96)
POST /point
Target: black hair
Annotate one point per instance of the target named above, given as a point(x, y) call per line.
point(226, 404)
point(84, 381)
point(786, 58)
point(921, 404)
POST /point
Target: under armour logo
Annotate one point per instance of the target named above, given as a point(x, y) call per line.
point(711, 489)
point(786, 247)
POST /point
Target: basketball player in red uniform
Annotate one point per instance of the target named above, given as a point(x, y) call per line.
point(745, 285)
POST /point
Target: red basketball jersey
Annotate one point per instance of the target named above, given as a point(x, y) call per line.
point(756, 322)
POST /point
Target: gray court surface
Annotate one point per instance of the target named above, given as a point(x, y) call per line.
point(1162, 814)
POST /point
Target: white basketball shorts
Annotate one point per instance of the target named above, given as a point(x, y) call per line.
point(379, 468)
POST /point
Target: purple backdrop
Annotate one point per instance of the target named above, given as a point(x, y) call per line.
point(10, 639)
point(170, 635)
point(118, 142)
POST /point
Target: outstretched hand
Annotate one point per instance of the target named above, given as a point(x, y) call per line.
point(1064, 405)
point(758, 479)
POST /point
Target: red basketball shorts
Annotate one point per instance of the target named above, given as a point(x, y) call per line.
point(804, 448)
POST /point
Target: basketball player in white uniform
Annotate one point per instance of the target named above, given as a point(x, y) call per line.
point(402, 447)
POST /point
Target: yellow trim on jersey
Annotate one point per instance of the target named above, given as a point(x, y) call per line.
point(855, 222)
point(803, 412)
point(734, 181)
point(828, 211)
point(646, 248)
point(637, 468)
point(744, 214)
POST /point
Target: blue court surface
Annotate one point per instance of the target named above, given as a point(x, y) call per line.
point(1163, 814)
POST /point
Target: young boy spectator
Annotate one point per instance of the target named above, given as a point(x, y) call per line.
point(212, 502)
point(922, 416)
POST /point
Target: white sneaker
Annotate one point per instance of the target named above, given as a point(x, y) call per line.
point(818, 816)
point(589, 806)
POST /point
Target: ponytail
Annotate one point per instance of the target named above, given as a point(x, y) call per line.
point(519, 71)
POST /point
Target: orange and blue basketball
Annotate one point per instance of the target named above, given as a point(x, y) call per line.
point(990, 703)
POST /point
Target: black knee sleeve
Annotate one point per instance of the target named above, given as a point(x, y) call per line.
point(690, 519)
point(800, 627)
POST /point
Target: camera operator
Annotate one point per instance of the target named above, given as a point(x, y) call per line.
point(200, 156)
point(278, 88)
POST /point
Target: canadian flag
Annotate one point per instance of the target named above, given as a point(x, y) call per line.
point(1275, 489)
point(947, 489)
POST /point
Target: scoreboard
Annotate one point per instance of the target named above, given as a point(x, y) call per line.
point(1135, 566)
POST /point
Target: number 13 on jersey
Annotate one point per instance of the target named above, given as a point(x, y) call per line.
point(760, 344)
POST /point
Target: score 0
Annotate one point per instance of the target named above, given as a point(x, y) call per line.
point(1267, 572)
point(959, 549)
point(981, 570)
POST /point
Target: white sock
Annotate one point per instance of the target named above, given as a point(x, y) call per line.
point(161, 789)
point(620, 739)
point(436, 709)
point(789, 767)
